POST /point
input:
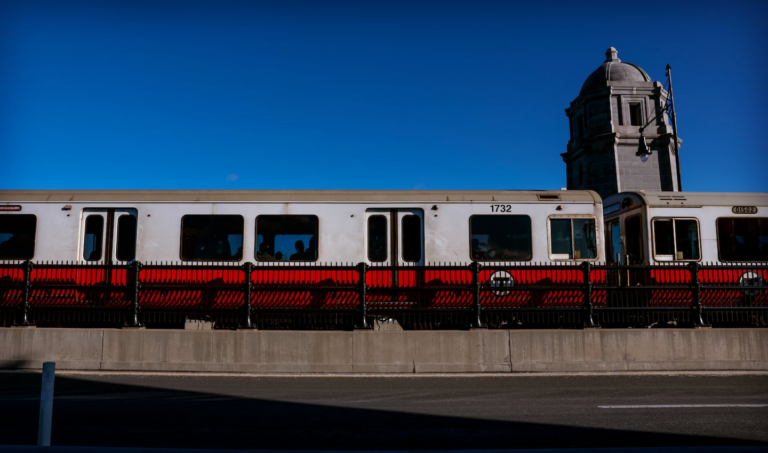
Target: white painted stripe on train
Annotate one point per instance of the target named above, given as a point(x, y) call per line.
point(679, 406)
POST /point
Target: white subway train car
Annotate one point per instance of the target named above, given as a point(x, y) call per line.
point(396, 227)
point(661, 227)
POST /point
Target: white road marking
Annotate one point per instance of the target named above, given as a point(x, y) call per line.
point(678, 406)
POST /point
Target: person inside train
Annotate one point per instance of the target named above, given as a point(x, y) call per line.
point(311, 253)
point(299, 255)
point(265, 252)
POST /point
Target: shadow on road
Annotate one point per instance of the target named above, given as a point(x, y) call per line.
point(89, 412)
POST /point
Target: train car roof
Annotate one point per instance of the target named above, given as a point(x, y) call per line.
point(337, 196)
point(692, 198)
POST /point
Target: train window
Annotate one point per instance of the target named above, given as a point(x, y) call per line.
point(633, 233)
point(501, 237)
point(573, 238)
point(687, 239)
point(286, 237)
point(615, 235)
point(93, 238)
point(212, 238)
point(664, 237)
point(377, 238)
point(411, 238)
point(17, 236)
point(126, 238)
point(742, 239)
point(676, 238)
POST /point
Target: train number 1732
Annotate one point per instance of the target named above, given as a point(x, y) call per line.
point(501, 208)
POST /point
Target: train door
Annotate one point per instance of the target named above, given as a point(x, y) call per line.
point(633, 235)
point(108, 235)
point(395, 236)
point(395, 239)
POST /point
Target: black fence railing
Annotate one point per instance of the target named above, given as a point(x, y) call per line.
point(346, 296)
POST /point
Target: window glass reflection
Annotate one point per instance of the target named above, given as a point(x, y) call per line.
point(686, 239)
point(286, 238)
point(126, 238)
point(211, 238)
point(561, 237)
point(500, 237)
point(377, 238)
point(573, 238)
point(17, 236)
point(584, 240)
point(663, 237)
point(93, 238)
point(742, 239)
point(411, 238)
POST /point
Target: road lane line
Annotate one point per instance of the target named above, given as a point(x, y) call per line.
point(678, 406)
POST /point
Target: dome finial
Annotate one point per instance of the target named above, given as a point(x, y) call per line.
point(612, 55)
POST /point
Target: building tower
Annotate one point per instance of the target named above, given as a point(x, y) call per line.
point(615, 102)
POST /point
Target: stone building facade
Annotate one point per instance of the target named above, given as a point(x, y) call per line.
point(616, 100)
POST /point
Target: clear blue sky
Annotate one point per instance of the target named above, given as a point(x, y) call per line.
point(359, 94)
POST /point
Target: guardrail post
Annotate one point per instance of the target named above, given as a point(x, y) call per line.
point(247, 289)
point(589, 309)
point(698, 310)
point(476, 322)
point(46, 405)
point(133, 314)
point(362, 289)
point(24, 309)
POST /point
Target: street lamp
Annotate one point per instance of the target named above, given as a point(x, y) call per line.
point(643, 152)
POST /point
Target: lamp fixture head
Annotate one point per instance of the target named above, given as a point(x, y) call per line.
point(643, 152)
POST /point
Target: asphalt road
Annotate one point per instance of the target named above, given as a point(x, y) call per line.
point(377, 412)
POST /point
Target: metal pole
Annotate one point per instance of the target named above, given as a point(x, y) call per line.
point(46, 405)
point(24, 315)
point(674, 131)
point(246, 323)
point(362, 289)
point(589, 309)
point(698, 311)
point(476, 322)
point(133, 315)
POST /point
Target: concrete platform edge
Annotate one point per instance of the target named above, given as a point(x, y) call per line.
point(476, 351)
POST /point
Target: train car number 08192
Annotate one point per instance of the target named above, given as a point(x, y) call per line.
point(501, 208)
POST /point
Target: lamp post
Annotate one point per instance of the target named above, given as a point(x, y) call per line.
point(642, 149)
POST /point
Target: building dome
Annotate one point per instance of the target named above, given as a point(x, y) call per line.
point(613, 70)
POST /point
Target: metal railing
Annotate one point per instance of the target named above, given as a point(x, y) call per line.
point(289, 295)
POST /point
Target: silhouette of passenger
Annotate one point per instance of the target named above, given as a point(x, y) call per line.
point(265, 252)
point(299, 255)
point(311, 253)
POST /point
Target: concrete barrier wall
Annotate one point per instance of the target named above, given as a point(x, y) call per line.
point(386, 351)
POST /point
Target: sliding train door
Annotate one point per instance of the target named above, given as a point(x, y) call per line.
point(108, 236)
point(394, 245)
point(395, 236)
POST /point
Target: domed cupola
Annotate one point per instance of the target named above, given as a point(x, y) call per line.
point(615, 101)
point(613, 70)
